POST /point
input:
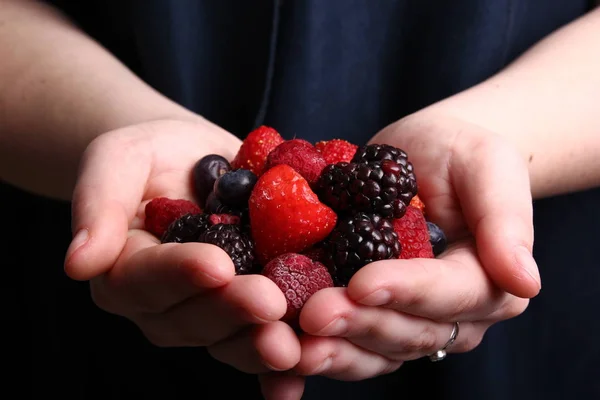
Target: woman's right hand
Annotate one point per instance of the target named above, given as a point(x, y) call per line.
point(177, 294)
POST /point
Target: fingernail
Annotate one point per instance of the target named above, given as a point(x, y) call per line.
point(326, 365)
point(335, 327)
point(377, 298)
point(526, 261)
point(78, 240)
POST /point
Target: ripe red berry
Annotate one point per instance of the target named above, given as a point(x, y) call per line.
point(299, 278)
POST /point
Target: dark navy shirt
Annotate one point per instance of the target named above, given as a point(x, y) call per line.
point(318, 69)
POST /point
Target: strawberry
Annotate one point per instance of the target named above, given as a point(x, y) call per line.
point(300, 155)
point(254, 150)
point(286, 215)
point(417, 203)
point(413, 234)
point(299, 278)
point(336, 150)
point(162, 211)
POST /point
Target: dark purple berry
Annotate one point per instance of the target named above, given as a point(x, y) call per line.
point(235, 243)
point(380, 187)
point(357, 241)
point(206, 171)
point(437, 237)
point(186, 228)
point(380, 152)
point(214, 205)
point(234, 187)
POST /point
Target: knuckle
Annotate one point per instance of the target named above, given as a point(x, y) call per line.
point(425, 342)
point(515, 307)
point(101, 298)
point(466, 302)
point(410, 298)
point(194, 335)
point(131, 297)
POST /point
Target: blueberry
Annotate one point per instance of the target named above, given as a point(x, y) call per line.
point(205, 173)
point(437, 238)
point(214, 205)
point(234, 188)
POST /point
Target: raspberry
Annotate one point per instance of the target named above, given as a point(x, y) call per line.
point(256, 147)
point(377, 187)
point(215, 219)
point(162, 211)
point(413, 234)
point(300, 155)
point(236, 244)
point(186, 228)
point(357, 241)
point(286, 216)
point(336, 150)
point(299, 278)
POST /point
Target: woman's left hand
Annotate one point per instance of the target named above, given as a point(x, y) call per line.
point(476, 187)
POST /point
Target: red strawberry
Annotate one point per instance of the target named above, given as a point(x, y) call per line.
point(336, 150)
point(256, 147)
point(413, 234)
point(286, 215)
point(162, 211)
point(300, 155)
point(417, 203)
point(299, 278)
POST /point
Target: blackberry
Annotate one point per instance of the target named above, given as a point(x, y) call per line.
point(186, 228)
point(380, 187)
point(380, 152)
point(235, 243)
point(357, 241)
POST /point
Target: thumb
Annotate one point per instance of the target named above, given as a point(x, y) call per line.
point(106, 198)
point(494, 191)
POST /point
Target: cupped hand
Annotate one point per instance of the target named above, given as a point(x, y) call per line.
point(177, 294)
point(476, 188)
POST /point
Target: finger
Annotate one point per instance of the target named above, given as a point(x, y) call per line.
point(109, 188)
point(152, 278)
point(395, 335)
point(281, 386)
point(216, 315)
point(454, 288)
point(260, 349)
point(339, 359)
point(496, 200)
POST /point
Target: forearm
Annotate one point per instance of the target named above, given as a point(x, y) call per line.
point(59, 90)
point(548, 104)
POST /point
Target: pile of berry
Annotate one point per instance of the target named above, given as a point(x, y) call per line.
point(306, 216)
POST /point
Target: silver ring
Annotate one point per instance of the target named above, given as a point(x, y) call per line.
point(441, 353)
